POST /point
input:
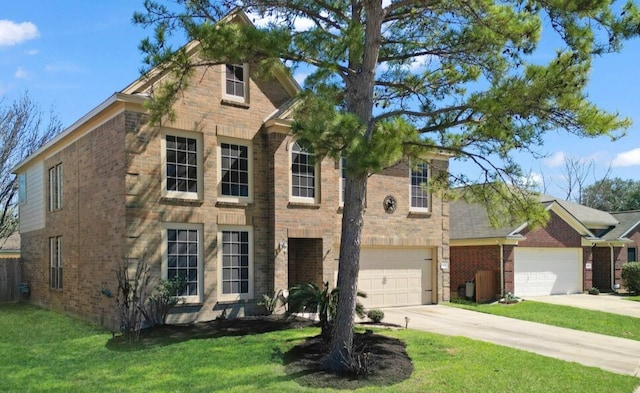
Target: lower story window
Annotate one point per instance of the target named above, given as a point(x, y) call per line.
point(236, 263)
point(55, 262)
point(184, 259)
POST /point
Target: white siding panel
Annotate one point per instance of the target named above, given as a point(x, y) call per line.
point(32, 212)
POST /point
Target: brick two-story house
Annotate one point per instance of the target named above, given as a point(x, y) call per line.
point(223, 196)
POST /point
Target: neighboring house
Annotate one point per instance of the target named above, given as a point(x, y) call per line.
point(572, 253)
point(223, 196)
point(10, 246)
point(627, 229)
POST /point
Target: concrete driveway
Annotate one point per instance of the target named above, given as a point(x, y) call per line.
point(609, 353)
point(603, 302)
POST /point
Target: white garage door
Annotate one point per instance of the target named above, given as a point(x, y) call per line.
point(395, 276)
point(547, 271)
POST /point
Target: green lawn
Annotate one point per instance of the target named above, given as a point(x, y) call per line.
point(632, 298)
point(45, 351)
point(564, 316)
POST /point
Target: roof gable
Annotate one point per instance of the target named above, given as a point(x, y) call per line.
point(471, 221)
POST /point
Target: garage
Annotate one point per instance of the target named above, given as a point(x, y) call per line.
point(547, 271)
point(395, 276)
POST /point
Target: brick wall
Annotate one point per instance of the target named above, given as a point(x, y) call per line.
point(557, 233)
point(91, 224)
point(467, 260)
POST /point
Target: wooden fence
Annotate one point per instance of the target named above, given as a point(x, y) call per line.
point(487, 285)
point(9, 279)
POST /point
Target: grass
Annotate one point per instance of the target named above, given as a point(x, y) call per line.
point(632, 298)
point(42, 351)
point(563, 316)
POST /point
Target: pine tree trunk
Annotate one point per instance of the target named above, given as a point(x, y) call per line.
point(352, 221)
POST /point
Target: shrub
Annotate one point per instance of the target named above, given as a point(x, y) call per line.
point(270, 303)
point(310, 298)
point(165, 297)
point(631, 277)
point(594, 291)
point(375, 315)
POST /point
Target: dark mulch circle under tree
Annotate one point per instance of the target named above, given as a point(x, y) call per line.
point(386, 361)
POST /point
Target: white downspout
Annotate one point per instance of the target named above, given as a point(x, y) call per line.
point(613, 276)
point(501, 270)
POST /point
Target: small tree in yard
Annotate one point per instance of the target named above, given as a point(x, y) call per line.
point(22, 131)
point(310, 298)
point(394, 80)
point(133, 279)
point(631, 277)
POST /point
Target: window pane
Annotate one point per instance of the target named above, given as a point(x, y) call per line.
point(182, 166)
point(235, 262)
point(234, 162)
point(182, 258)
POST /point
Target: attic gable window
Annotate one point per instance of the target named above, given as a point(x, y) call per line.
point(236, 82)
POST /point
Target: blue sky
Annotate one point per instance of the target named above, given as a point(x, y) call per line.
point(71, 55)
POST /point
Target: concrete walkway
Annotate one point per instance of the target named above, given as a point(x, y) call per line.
point(603, 302)
point(609, 353)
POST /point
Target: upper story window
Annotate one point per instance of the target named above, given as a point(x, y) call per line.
point(419, 191)
point(303, 174)
point(55, 187)
point(235, 171)
point(182, 166)
point(55, 262)
point(22, 188)
point(236, 86)
point(183, 258)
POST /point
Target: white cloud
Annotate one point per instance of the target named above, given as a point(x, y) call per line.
point(32, 52)
point(63, 66)
point(21, 73)
point(627, 158)
point(12, 33)
point(556, 160)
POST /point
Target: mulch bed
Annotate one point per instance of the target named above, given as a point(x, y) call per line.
point(387, 361)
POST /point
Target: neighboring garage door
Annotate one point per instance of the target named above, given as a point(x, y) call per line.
point(547, 271)
point(395, 276)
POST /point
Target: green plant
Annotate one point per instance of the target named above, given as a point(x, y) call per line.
point(375, 315)
point(310, 298)
point(165, 297)
point(631, 277)
point(270, 303)
point(594, 291)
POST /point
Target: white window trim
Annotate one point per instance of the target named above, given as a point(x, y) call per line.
point(341, 183)
point(165, 257)
point(231, 198)
point(200, 162)
point(230, 97)
point(56, 177)
point(235, 296)
point(316, 180)
point(416, 209)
